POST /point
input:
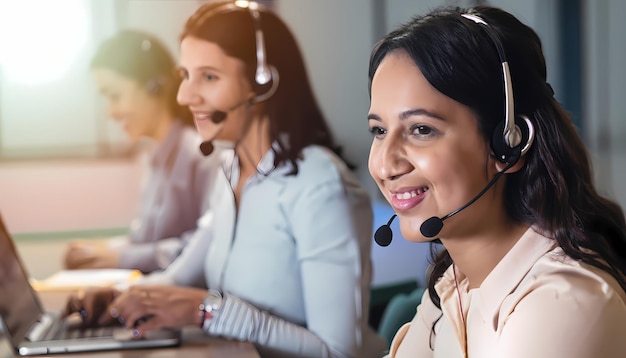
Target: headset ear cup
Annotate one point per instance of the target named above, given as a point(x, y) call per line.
point(501, 149)
point(528, 133)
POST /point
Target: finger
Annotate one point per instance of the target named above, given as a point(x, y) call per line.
point(116, 310)
point(96, 303)
point(110, 316)
point(132, 316)
point(73, 305)
point(142, 320)
point(148, 325)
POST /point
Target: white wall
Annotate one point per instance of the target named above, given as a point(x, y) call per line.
point(336, 38)
point(54, 112)
point(604, 88)
point(64, 195)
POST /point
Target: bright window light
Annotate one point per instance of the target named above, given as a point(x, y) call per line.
point(41, 39)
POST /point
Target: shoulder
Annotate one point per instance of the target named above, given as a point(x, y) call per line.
point(323, 176)
point(556, 269)
point(556, 282)
point(319, 165)
point(320, 160)
point(563, 308)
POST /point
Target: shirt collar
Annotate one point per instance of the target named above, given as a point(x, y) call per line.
point(510, 271)
point(505, 276)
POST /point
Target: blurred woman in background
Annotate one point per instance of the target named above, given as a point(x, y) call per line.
point(136, 75)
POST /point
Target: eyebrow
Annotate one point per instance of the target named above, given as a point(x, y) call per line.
point(201, 68)
point(410, 113)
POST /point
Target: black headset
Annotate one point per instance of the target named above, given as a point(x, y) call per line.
point(507, 138)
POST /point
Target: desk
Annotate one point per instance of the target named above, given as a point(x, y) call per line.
point(195, 343)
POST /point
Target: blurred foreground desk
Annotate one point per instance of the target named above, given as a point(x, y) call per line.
point(194, 344)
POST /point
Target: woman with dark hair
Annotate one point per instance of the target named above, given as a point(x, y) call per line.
point(136, 75)
point(467, 132)
point(286, 252)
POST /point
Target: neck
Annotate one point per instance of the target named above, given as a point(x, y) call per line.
point(488, 245)
point(163, 125)
point(254, 144)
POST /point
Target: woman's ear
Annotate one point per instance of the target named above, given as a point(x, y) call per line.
point(517, 166)
point(155, 85)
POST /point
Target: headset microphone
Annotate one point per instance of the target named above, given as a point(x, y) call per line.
point(206, 147)
point(218, 117)
point(384, 234)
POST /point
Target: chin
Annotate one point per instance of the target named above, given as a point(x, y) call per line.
point(410, 229)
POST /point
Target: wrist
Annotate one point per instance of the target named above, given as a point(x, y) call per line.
point(209, 307)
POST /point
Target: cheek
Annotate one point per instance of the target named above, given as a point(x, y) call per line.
point(457, 178)
point(226, 96)
point(446, 174)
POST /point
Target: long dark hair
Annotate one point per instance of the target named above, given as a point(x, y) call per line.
point(293, 109)
point(554, 191)
point(141, 57)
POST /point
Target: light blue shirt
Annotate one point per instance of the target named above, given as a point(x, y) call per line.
point(293, 262)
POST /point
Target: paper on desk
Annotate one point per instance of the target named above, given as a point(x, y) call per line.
point(76, 279)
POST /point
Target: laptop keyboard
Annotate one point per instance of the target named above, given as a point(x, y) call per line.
point(94, 332)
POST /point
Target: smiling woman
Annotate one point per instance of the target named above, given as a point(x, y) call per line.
point(533, 264)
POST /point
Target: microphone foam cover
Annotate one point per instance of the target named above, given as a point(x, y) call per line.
point(383, 236)
point(206, 147)
point(218, 117)
point(431, 227)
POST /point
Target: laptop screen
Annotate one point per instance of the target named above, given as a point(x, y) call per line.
point(19, 305)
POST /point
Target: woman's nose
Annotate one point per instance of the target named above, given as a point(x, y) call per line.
point(388, 159)
point(187, 94)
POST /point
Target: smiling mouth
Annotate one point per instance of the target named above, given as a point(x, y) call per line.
point(201, 117)
point(405, 200)
point(410, 194)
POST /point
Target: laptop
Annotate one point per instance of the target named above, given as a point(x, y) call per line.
point(32, 331)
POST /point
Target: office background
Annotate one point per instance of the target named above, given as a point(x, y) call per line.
point(64, 167)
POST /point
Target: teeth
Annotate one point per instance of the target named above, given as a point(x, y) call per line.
point(411, 194)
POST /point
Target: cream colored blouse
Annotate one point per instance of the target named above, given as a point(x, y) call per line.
point(537, 302)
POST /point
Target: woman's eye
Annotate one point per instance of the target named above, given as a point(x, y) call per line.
point(210, 77)
point(422, 130)
point(377, 131)
point(111, 97)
